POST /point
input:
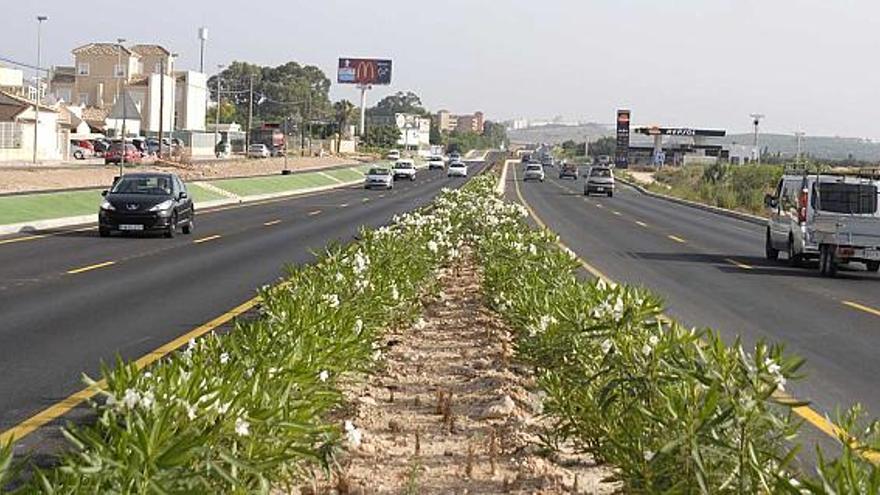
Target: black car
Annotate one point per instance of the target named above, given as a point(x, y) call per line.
point(146, 202)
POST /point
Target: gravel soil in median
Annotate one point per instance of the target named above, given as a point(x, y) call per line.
point(452, 412)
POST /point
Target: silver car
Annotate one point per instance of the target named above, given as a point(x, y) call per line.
point(599, 180)
point(534, 171)
point(379, 177)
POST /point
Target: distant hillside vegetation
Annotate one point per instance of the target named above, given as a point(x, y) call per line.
point(817, 147)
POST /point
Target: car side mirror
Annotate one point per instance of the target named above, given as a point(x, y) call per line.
point(104, 192)
point(182, 195)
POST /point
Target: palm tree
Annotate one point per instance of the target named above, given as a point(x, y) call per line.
point(344, 111)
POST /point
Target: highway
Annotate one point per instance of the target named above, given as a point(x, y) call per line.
point(711, 272)
point(71, 300)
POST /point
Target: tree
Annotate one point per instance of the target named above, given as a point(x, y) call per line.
point(400, 102)
point(344, 111)
point(382, 136)
point(494, 135)
point(436, 137)
point(288, 90)
point(603, 146)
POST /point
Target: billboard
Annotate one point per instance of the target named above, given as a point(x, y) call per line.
point(364, 71)
point(621, 155)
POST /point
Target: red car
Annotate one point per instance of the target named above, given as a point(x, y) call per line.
point(114, 154)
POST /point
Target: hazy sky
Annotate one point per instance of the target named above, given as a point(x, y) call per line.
point(806, 64)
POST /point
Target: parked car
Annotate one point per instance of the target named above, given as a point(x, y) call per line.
point(405, 169)
point(81, 149)
point(600, 180)
point(146, 202)
point(100, 146)
point(116, 153)
point(568, 170)
point(832, 217)
point(435, 161)
point(457, 169)
point(534, 171)
point(258, 150)
point(393, 155)
point(379, 177)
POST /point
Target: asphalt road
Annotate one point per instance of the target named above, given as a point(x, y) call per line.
point(71, 300)
point(711, 272)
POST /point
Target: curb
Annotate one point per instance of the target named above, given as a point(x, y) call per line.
point(745, 217)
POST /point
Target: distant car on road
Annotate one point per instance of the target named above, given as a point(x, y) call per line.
point(568, 170)
point(258, 151)
point(833, 217)
point(146, 202)
point(117, 151)
point(435, 161)
point(534, 171)
point(393, 155)
point(454, 157)
point(405, 169)
point(457, 169)
point(379, 177)
point(81, 149)
point(547, 160)
point(599, 180)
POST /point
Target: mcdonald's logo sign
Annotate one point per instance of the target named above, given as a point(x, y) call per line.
point(364, 71)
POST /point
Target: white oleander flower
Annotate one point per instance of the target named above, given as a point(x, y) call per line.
point(332, 300)
point(323, 375)
point(242, 427)
point(131, 398)
point(224, 358)
point(352, 434)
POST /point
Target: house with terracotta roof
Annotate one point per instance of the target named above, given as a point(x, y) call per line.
point(18, 119)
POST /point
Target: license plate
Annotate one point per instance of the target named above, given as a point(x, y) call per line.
point(131, 227)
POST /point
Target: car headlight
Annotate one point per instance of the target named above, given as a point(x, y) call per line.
point(106, 205)
point(164, 205)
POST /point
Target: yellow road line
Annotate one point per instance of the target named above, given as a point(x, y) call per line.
point(677, 239)
point(90, 267)
point(313, 213)
point(271, 222)
point(862, 307)
point(365, 200)
point(641, 224)
point(206, 239)
point(738, 264)
point(807, 413)
point(61, 408)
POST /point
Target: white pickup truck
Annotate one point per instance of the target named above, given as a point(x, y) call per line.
point(846, 225)
point(832, 217)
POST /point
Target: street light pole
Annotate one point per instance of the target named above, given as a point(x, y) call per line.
point(756, 120)
point(123, 72)
point(40, 19)
point(247, 136)
point(217, 109)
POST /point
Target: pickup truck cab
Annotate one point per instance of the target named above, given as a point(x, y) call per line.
point(832, 217)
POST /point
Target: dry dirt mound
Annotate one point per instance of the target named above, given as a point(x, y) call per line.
point(452, 413)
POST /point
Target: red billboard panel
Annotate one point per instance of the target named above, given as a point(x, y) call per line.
point(363, 71)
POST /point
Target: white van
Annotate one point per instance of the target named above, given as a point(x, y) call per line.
point(833, 217)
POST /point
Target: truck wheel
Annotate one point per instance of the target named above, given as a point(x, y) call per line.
point(794, 259)
point(872, 266)
point(770, 252)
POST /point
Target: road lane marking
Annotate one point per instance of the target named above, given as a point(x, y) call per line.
point(61, 408)
point(677, 239)
point(616, 212)
point(641, 224)
point(33, 237)
point(313, 213)
point(382, 195)
point(807, 413)
point(344, 205)
point(271, 223)
point(599, 205)
point(206, 239)
point(738, 264)
point(861, 307)
point(90, 267)
point(365, 200)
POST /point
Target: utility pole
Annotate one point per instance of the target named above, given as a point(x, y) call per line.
point(40, 19)
point(756, 120)
point(247, 136)
point(800, 139)
point(217, 109)
point(124, 72)
point(203, 37)
point(363, 88)
point(161, 105)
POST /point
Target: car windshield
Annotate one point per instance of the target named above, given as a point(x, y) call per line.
point(378, 171)
point(833, 197)
point(403, 165)
point(533, 167)
point(257, 147)
point(456, 164)
point(600, 172)
point(153, 185)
